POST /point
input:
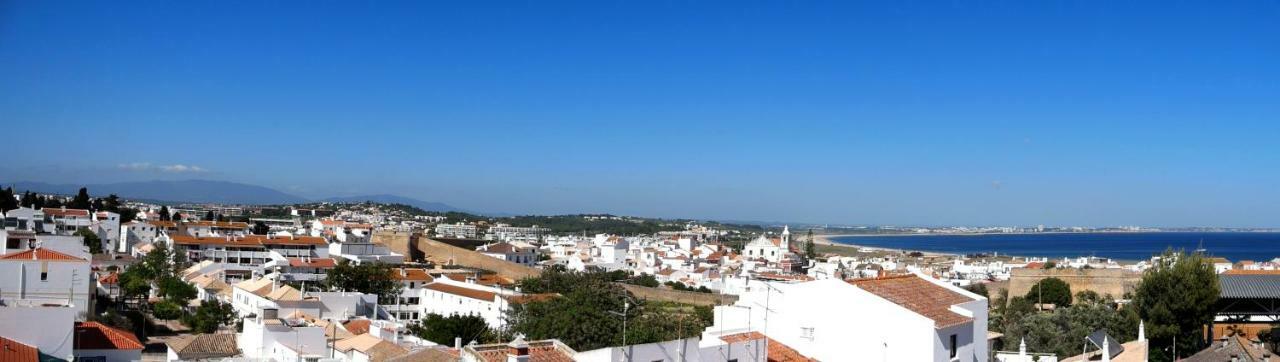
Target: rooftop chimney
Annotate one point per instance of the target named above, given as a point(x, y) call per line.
point(518, 350)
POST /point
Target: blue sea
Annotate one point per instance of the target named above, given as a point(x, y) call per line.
point(1234, 246)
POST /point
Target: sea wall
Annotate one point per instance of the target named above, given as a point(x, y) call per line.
point(1114, 282)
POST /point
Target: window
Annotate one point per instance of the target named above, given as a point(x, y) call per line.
point(953, 346)
point(44, 276)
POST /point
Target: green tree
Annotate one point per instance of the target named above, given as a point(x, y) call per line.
point(810, 251)
point(127, 214)
point(8, 201)
point(1176, 299)
point(81, 201)
point(164, 214)
point(584, 316)
point(1050, 291)
point(174, 289)
point(210, 316)
point(978, 288)
point(91, 240)
point(135, 284)
point(261, 228)
point(167, 310)
point(371, 278)
point(443, 330)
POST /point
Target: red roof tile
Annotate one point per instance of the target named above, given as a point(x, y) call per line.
point(40, 254)
point(312, 263)
point(65, 212)
point(357, 327)
point(777, 352)
point(14, 351)
point(918, 295)
point(113, 278)
point(416, 275)
point(94, 335)
point(461, 291)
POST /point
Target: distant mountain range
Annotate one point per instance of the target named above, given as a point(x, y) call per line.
point(393, 199)
point(202, 191)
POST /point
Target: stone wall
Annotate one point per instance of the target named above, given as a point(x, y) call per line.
point(404, 243)
point(445, 254)
point(1114, 282)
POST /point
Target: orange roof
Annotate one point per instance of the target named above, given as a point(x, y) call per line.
point(417, 275)
point(215, 240)
point(163, 224)
point(312, 263)
point(462, 292)
point(487, 279)
point(94, 335)
point(287, 240)
point(1035, 265)
point(14, 351)
point(357, 327)
point(777, 352)
point(113, 278)
point(65, 212)
point(539, 351)
point(40, 254)
point(918, 295)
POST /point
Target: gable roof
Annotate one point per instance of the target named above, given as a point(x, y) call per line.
point(431, 354)
point(203, 346)
point(14, 351)
point(362, 343)
point(918, 295)
point(40, 254)
point(411, 274)
point(110, 279)
point(94, 335)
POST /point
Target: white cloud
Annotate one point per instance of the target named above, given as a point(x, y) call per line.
point(148, 167)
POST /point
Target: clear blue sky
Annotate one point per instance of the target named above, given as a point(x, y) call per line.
point(887, 112)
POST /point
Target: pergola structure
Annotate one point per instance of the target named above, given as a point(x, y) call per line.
point(1246, 299)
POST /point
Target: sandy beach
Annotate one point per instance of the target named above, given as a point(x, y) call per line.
point(826, 240)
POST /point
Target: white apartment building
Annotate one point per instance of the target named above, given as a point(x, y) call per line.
point(458, 230)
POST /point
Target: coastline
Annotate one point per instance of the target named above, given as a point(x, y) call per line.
point(824, 239)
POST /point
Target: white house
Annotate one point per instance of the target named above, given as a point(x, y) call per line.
point(46, 277)
point(901, 318)
point(98, 342)
point(523, 255)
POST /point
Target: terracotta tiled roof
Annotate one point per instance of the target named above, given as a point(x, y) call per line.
point(40, 254)
point(461, 291)
point(163, 224)
point(214, 240)
point(487, 279)
point(539, 351)
point(1035, 265)
point(94, 335)
point(205, 346)
point(65, 212)
point(359, 326)
point(287, 240)
point(434, 354)
point(777, 352)
point(14, 351)
point(918, 295)
point(417, 275)
point(113, 278)
point(312, 263)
